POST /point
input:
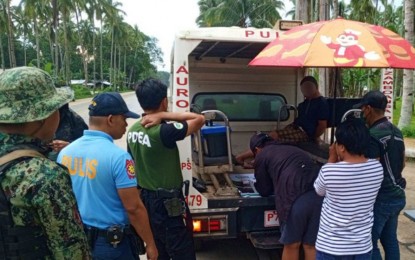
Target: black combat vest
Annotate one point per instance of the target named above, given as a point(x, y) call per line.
point(18, 242)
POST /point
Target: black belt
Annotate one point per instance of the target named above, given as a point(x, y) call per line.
point(163, 194)
point(104, 232)
point(97, 231)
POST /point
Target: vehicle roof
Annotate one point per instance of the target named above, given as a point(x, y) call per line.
point(228, 42)
point(228, 49)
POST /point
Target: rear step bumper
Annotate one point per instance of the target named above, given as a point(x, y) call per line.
point(265, 239)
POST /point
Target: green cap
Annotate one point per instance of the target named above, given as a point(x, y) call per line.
point(28, 94)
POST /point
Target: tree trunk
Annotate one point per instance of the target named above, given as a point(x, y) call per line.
point(12, 55)
point(52, 53)
point(324, 10)
point(61, 56)
point(100, 55)
point(301, 10)
point(114, 68)
point(397, 85)
point(37, 42)
point(83, 49)
point(112, 61)
point(335, 9)
point(24, 48)
point(112, 55)
point(324, 73)
point(119, 64)
point(125, 67)
point(3, 64)
point(55, 22)
point(94, 55)
point(408, 77)
point(67, 57)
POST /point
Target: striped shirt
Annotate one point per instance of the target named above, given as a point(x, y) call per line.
point(350, 191)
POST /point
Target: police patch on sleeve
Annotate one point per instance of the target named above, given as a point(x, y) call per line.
point(178, 125)
point(129, 166)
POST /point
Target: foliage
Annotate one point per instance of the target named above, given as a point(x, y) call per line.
point(81, 91)
point(397, 112)
point(164, 76)
point(409, 131)
point(71, 50)
point(242, 13)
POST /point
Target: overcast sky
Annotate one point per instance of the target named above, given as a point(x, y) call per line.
point(161, 19)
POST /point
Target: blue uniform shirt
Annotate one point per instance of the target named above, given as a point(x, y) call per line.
point(98, 168)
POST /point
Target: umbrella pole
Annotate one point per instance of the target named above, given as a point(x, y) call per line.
point(333, 115)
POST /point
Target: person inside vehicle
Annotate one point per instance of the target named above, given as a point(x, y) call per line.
point(313, 115)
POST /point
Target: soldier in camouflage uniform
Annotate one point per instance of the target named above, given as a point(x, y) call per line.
point(39, 206)
point(71, 127)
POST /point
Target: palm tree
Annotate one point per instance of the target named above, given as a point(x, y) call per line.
point(107, 11)
point(90, 8)
point(81, 5)
point(242, 13)
point(65, 8)
point(36, 10)
point(3, 28)
point(363, 10)
point(118, 32)
point(10, 34)
point(113, 24)
point(408, 79)
point(54, 30)
point(85, 38)
point(23, 27)
point(208, 13)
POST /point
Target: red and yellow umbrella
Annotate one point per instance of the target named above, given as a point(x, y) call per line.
point(338, 43)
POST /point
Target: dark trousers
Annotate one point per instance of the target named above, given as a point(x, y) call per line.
point(105, 251)
point(173, 235)
point(385, 227)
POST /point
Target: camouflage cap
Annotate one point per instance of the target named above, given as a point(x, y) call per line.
point(28, 94)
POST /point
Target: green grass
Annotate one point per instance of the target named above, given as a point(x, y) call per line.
point(84, 92)
point(81, 91)
point(406, 131)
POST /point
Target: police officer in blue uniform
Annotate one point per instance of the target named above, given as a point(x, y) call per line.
point(104, 183)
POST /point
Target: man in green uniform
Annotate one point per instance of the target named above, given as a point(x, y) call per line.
point(152, 143)
point(39, 218)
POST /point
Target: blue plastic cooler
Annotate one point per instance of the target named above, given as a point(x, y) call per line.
point(214, 137)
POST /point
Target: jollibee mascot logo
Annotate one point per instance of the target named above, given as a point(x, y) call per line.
point(347, 50)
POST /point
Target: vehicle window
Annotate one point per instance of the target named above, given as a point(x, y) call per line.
point(243, 106)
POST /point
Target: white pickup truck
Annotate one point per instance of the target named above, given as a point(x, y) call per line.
point(210, 74)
